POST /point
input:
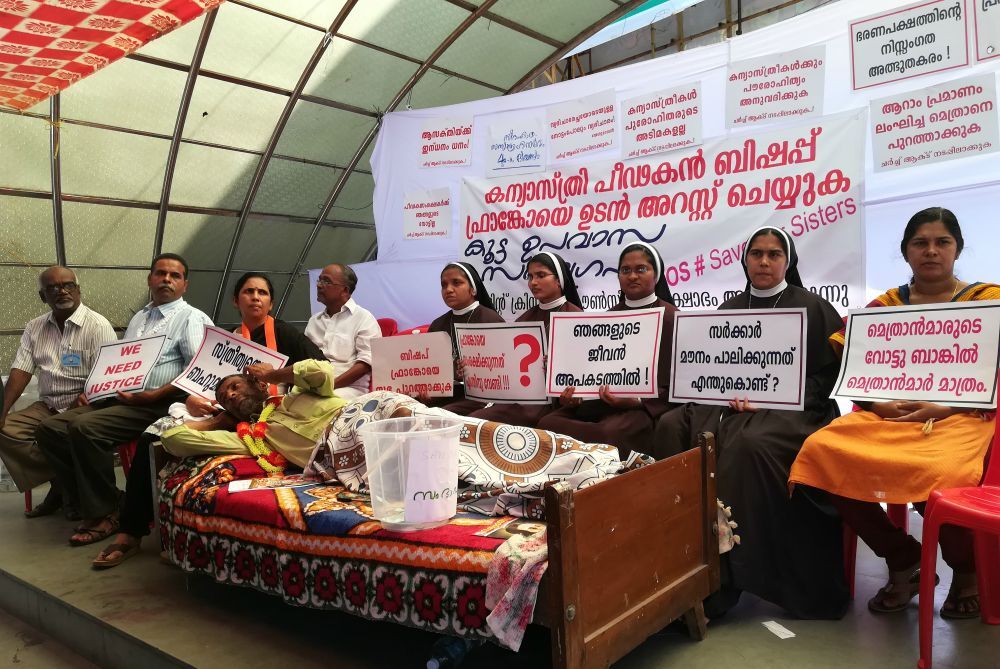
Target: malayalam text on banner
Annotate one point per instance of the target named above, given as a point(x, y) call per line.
point(446, 142)
point(957, 119)
point(618, 349)
point(516, 148)
point(776, 87)
point(662, 121)
point(221, 354)
point(759, 355)
point(427, 214)
point(504, 363)
point(123, 366)
point(986, 28)
point(944, 353)
point(414, 364)
point(911, 41)
point(581, 126)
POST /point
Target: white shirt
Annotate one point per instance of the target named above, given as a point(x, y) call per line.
point(44, 350)
point(184, 327)
point(345, 338)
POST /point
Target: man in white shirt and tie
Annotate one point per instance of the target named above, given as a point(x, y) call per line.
point(343, 331)
point(59, 348)
point(80, 443)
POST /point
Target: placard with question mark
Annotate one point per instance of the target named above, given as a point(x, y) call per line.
point(504, 362)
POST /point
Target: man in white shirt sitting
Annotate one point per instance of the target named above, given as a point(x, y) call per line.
point(60, 348)
point(343, 331)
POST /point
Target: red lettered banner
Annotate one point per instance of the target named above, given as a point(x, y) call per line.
point(122, 366)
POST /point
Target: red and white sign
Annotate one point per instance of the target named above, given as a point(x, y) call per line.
point(122, 366)
point(912, 41)
point(957, 119)
point(427, 214)
point(986, 28)
point(446, 142)
point(777, 87)
point(662, 121)
point(942, 353)
point(581, 126)
point(617, 349)
point(221, 354)
point(414, 364)
point(756, 354)
point(504, 362)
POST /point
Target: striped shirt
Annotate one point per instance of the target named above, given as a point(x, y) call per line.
point(44, 345)
point(185, 328)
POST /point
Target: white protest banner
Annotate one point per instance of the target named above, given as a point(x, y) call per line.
point(953, 120)
point(221, 354)
point(412, 364)
point(617, 349)
point(662, 121)
point(445, 142)
point(504, 362)
point(427, 213)
point(581, 126)
point(757, 354)
point(516, 148)
point(942, 353)
point(696, 205)
point(986, 19)
point(911, 41)
point(776, 87)
point(122, 366)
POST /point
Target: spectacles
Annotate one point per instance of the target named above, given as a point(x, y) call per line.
point(538, 275)
point(56, 288)
point(323, 282)
point(640, 270)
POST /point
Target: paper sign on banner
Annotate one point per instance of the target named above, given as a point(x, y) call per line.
point(619, 350)
point(123, 366)
point(662, 121)
point(431, 480)
point(221, 354)
point(757, 354)
point(516, 148)
point(942, 353)
point(413, 364)
point(581, 126)
point(953, 120)
point(987, 29)
point(912, 41)
point(445, 142)
point(776, 87)
point(504, 362)
point(427, 214)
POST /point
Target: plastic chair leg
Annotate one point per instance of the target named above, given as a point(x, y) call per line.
point(988, 571)
point(27, 501)
point(928, 567)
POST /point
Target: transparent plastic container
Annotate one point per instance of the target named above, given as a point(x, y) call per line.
point(412, 470)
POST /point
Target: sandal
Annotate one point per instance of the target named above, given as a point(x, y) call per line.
point(895, 595)
point(962, 602)
point(96, 533)
point(124, 550)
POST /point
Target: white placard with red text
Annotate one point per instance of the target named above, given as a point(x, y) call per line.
point(758, 355)
point(446, 142)
point(414, 364)
point(504, 362)
point(581, 126)
point(616, 349)
point(911, 41)
point(221, 354)
point(986, 29)
point(516, 147)
point(123, 366)
point(957, 119)
point(942, 353)
point(776, 88)
point(662, 121)
point(427, 214)
point(696, 205)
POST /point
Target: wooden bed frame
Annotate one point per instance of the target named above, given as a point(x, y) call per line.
point(629, 556)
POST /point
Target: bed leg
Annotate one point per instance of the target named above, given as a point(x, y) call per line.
point(696, 623)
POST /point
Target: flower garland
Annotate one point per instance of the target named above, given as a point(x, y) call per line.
point(270, 461)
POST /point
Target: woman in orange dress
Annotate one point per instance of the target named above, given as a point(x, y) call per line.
point(884, 453)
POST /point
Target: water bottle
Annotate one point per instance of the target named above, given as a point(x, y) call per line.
point(448, 652)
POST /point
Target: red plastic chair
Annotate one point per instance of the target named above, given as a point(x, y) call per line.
point(420, 329)
point(897, 514)
point(977, 509)
point(389, 326)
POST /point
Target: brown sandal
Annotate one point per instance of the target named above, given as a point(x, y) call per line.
point(962, 602)
point(125, 551)
point(95, 533)
point(902, 587)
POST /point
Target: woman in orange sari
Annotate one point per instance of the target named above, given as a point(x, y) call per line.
point(893, 452)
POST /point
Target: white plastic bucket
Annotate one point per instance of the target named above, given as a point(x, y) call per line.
point(412, 470)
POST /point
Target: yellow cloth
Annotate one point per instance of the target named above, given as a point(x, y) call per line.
point(863, 457)
point(292, 430)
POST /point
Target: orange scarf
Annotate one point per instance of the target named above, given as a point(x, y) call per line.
point(269, 340)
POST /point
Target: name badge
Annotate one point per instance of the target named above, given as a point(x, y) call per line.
point(71, 360)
